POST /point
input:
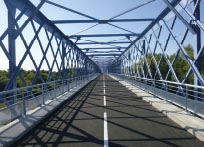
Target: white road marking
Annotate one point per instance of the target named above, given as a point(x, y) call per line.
point(104, 100)
point(105, 130)
point(105, 116)
point(104, 91)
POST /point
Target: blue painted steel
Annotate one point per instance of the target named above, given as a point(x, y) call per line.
point(71, 56)
point(92, 55)
point(115, 42)
point(103, 35)
point(109, 51)
point(12, 50)
point(100, 21)
point(179, 16)
point(129, 10)
point(36, 10)
point(68, 9)
point(16, 71)
point(192, 65)
point(28, 9)
point(161, 16)
point(136, 57)
point(123, 29)
point(103, 48)
point(166, 58)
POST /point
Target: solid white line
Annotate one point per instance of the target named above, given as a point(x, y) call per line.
point(105, 130)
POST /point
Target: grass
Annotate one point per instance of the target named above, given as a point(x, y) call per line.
point(2, 106)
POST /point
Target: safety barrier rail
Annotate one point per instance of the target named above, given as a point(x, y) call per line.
point(186, 96)
point(31, 97)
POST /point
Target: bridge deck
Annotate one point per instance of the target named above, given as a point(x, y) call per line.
point(130, 121)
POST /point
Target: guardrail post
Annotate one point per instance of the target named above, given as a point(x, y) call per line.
point(68, 85)
point(76, 78)
point(186, 98)
point(62, 85)
point(145, 84)
point(166, 86)
point(55, 94)
point(154, 87)
point(24, 103)
point(43, 93)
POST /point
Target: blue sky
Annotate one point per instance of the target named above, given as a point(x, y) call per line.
point(99, 9)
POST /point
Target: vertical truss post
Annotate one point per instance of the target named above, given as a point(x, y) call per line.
point(144, 64)
point(77, 64)
point(198, 47)
point(12, 50)
point(77, 67)
point(63, 64)
point(85, 67)
point(121, 67)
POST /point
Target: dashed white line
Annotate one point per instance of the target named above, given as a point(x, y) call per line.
point(104, 100)
point(105, 116)
point(104, 92)
point(105, 130)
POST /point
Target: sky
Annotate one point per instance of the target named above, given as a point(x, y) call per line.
point(105, 9)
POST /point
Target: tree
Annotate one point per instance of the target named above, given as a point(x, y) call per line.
point(181, 66)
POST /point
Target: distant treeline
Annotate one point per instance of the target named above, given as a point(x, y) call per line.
point(180, 67)
point(31, 77)
point(178, 62)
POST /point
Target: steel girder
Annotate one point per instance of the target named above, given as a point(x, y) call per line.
point(54, 51)
point(141, 54)
point(151, 49)
point(100, 21)
point(103, 35)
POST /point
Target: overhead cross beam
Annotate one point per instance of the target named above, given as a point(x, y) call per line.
point(110, 51)
point(159, 17)
point(103, 35)
point(100, 21)
point(113, 42)
point(106, 48)
point(93, 55)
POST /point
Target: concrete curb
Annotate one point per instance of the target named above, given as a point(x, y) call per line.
point(19, 127)
point(191, 123)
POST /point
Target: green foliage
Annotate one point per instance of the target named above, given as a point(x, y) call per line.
point(180, 65)
point(3, 79)
point(29, 75)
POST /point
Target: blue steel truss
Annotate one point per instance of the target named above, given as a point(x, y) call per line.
point(140, 54)
point(161, 36)
point(66, 56)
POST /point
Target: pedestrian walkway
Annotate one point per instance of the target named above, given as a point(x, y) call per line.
point(106, 113)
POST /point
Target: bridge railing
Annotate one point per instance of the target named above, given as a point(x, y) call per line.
point(189, 97)
point(31, 97)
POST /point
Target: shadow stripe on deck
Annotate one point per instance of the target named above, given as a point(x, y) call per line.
point(131, 121)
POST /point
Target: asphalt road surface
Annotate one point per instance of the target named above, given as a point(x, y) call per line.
point(105, 113)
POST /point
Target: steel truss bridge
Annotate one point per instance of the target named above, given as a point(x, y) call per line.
point(143, 48)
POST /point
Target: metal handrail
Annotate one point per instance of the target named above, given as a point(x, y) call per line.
point(181, 84)
point(31, 97)
point(187, 96)
point(33, 89)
